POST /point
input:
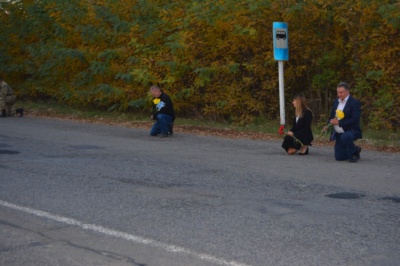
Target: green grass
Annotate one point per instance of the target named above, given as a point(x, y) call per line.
point(379, 139)
point(80, 112)
point(382, 138)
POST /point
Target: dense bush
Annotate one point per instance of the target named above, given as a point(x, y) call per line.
point(214, 57)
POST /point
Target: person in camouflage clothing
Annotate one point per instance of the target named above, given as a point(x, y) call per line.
point(7, 99)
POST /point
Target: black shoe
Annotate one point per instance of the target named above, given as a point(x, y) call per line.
point(353, 160)
point(357, 153)
point(3, 113)
point(171, 129)
point(355, 157)
point(163, 135)
point(304, 153)
point(20, 111)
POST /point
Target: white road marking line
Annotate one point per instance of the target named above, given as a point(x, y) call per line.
point(122, 235)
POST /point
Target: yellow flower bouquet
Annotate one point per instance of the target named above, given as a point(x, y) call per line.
point(339, 114)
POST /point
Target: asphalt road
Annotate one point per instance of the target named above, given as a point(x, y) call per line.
point(87, 194)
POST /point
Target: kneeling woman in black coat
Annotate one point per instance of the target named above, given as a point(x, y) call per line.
point(300, 136)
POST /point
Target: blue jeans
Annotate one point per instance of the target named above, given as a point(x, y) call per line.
point(162, 125)
point(344, 146)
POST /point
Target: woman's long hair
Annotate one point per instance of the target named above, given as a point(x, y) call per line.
point(301, 104)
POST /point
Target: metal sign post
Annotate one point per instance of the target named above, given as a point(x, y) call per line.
point(281, 92)
point(281, 53)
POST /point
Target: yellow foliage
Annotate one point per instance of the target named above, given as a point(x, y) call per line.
point(214, 57)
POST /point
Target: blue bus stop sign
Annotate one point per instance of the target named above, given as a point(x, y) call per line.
point(281, 41)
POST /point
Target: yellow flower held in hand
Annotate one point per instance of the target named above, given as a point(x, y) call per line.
point(156, 101)
point(339, 114)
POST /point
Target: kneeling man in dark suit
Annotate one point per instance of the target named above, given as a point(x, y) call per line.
point(346, 125)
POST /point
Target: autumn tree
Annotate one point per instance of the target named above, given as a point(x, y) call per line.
point(214, 57)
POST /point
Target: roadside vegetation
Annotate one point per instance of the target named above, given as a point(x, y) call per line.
point(213, 57)
point(95, 61)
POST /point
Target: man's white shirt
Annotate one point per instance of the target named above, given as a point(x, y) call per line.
point(340, 107)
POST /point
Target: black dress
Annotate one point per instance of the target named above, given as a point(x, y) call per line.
point(301, 130)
